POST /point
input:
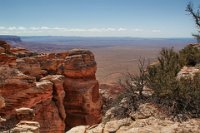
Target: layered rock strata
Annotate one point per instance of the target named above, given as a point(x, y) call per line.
point(61, 88)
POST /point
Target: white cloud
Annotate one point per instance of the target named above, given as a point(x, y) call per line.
point(122, 29)
point(94, 30)
point(11, 28)
point(34, 28)
point(74, 30)
point(2, 28)
point(109, 29)
point(138, 30)
point(45, 28)
point(60, 29)
point(101, 29)
point(156, 31)
point(21, 30)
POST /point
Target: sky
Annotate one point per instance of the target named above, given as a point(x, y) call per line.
point(107, 18)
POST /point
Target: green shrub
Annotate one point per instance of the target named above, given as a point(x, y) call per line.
point(189, 95)
point(162, 76)
point(189, 56)
point(179, 96)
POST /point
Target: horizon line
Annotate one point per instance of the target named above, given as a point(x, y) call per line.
point(99, 36)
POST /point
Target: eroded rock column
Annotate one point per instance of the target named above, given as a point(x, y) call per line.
point(82, 102)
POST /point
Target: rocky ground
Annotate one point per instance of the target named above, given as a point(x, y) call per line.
point(148, 125)
point(148, 119)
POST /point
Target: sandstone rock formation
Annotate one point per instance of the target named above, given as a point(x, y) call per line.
point(146, 120)
point(2, 102)
point(60, 88)
point(26, 124)
point(25, 114)
point(26, 127)
point(7, 59)
point(196, 45)
point(187, 72)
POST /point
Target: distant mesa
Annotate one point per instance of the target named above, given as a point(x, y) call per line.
point(11, 39)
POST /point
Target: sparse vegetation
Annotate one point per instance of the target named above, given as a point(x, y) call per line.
point(179, 96)
point(162, 76)
point(133, 86)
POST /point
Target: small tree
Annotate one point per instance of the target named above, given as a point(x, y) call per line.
point(196, 16)
point(162, 76)
point(133, 86)
point(137, 82)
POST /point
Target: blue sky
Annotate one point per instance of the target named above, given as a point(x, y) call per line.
point(133, 18)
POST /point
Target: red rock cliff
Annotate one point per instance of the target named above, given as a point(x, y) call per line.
point(61, 88)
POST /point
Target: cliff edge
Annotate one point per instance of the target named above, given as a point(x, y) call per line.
point(61, 88)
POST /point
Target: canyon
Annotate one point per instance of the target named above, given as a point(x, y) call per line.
point(59, 92)
point(60, 88)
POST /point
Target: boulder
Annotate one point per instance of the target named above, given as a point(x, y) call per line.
point(148, 110)
point(26, 127)
point(187, 72)
point(78, 129)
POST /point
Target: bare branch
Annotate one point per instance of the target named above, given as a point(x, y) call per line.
point(196, 15)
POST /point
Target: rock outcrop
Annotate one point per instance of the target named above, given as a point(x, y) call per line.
point(26, 127)
point(61, 89)
point(148, 119)
point(26, 124)
point(187, 72)
point(149, 125)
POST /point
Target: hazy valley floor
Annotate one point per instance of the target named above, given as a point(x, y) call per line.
point(113, 62)
point(114, 56)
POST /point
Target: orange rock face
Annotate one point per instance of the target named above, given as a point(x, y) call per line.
point(21, 52)
point(7, 59)
point(61, 89)
point(82, 102)
point(80, 64)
